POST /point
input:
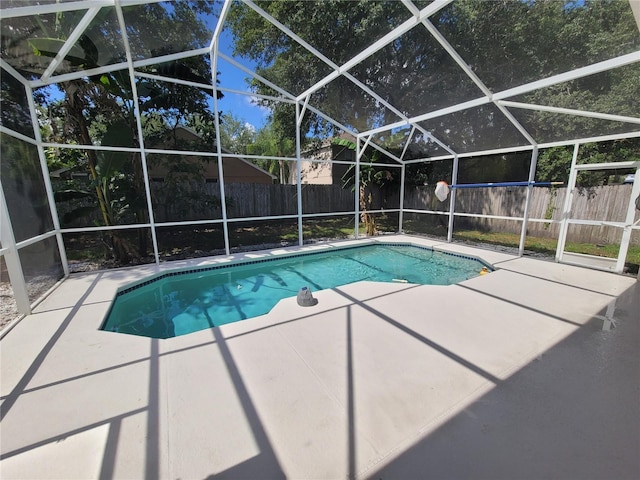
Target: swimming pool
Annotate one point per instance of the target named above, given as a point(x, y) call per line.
point(179, 302)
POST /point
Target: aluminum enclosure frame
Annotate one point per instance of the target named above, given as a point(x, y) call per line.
point(419, 19)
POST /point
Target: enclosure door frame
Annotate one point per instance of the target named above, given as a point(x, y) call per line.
point(627, 226)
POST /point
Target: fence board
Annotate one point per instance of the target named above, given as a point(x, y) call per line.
point(605, 203)
point(258, 200)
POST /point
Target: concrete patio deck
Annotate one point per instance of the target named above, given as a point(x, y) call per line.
point(508, 375)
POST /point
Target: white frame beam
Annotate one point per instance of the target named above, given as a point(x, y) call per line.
point(568, 201)
point(214, 55)
point(403, 171)
point(452, 198)
point(569, 111)
point(13, 72)
point(138, 115)
point(92, 7)
point(66, 7)
point(379, 44)
point(606, 166)
point(70, 42)
point(526, 88)
point(299, 173)
point(113, 67)
point(336, 69)
point(53, 209)
point(474, 78)
point(527, 202)
point(626, 226)
point(581, 72)
point(12, 259)
point(523, 148)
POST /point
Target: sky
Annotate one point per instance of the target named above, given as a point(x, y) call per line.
point(240, 106)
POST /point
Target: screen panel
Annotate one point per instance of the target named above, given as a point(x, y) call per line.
point(24, 189)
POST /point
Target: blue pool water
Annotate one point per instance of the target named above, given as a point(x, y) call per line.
point(180, 302)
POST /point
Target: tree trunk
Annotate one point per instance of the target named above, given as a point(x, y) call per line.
point(366, 200)
point(75, 105)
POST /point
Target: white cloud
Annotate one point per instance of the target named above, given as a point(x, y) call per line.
point(254, 103)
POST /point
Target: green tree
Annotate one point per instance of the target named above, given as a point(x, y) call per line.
point(506, 44)
point(371, 177)
point(554, 163)
point(100, 109)
point(236, 134)
point(338, 29)
point(272, 141)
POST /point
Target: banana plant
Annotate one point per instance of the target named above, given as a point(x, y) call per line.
point(369, 176)
point(116, 178)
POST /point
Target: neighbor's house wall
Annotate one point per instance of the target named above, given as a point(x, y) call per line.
point(235, 170)
point(324, 172)
point(315, 173)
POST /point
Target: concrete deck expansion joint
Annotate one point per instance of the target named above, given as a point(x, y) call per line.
point(529, 372)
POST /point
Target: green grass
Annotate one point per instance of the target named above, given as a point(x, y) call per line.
point(548, 245)
point(535, 244)
point(327, 229)
point(336, 228)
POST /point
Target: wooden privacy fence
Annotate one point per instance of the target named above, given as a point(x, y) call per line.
point(254, 200)
point(605, 203)
point(260, 200)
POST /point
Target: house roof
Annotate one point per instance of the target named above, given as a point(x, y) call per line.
point(227, 152)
